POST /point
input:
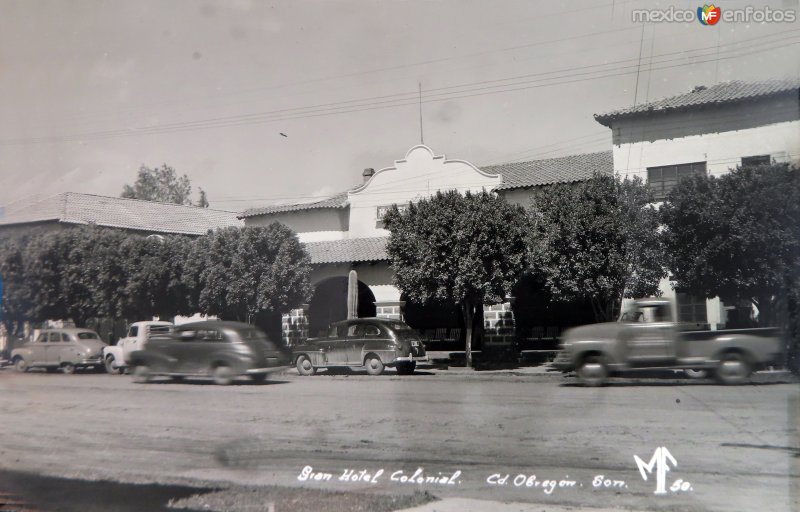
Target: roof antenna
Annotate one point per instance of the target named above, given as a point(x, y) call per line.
point(421, 135)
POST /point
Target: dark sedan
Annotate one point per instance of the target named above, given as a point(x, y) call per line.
point(371, 343)
point(216, 349)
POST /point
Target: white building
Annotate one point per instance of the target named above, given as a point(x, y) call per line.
point(708, 130)
point(344, 232)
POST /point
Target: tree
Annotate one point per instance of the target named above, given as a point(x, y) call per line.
point(738, 237)
point(243, 272)
point(15, 296)
point(154, 284)
point(596, 241)
point(162, 185)
point(203, 201)
point(464, 249)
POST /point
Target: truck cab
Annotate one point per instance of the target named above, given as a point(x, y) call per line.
point(117, 357)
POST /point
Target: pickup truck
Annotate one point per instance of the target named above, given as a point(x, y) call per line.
point(648, 337)
point(117, 357)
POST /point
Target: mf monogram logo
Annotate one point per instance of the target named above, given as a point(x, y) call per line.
point(660, 462)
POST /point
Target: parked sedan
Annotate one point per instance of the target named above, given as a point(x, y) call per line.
point(371, 343)
point(216, 349)
point(65, 349)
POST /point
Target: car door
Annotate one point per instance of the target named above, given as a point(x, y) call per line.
point(128, 343)
point(335, 345)
point(38, 349)
point(651, 342)
point(55, 347)
point(354, 341)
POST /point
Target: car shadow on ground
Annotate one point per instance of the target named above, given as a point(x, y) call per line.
point(31, 492)
point(199, 381)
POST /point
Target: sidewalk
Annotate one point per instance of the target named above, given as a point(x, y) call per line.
point(469, 505)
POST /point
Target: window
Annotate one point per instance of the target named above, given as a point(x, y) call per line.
point(87, 336)
point(664, 178)
point(55, 336)
point(355, 330)
point(64, 336)
point(133, 331)
point(209, 335)
point(691, 309)
point(159, 329)
point(755, 161)
point(371, 331)
point(42, 338)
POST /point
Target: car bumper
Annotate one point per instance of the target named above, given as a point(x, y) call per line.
point(271, 369)
point(410, 358)
point(90, 361)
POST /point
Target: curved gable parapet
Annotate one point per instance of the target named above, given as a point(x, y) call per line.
point(422, 155)
point(419, 175)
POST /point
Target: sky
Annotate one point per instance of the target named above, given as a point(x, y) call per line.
point(264, 102)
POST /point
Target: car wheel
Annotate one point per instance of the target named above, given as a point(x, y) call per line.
point(696, 374)
point(110, 368)
point(21, 365)
point(733, 369)
point(176, 378)
point(68, 368)
point(141, 374)
point(223, 375)
point(406, 368)
point(258, 378)
point(304, 366)
point(593, 371)
point(374, 365)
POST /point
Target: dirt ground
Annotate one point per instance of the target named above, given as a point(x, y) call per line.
point(527, 438)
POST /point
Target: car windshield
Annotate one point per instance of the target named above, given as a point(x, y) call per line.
point(88, 336)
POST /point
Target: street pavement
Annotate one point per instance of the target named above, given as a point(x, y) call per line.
point(511, 439)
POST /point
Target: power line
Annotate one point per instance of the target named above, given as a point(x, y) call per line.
point(279, 115)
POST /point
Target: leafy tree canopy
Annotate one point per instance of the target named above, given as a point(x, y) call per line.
point(466, 249)
point(596, 240)
point(242, 272)
point(162, 184)
point(736, 236)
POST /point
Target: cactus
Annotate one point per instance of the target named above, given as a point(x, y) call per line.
point(352, 295)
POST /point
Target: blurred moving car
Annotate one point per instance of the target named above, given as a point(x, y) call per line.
point(117, 357)
point(216, 349)
point(371, 343)
point(65, 349)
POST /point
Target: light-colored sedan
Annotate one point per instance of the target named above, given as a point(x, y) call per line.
point(65, 349)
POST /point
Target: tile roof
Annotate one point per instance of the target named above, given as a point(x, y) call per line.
point(722, 93)
point(337, 201)
point(349, 250)
point(565, 169)
point(75, 208)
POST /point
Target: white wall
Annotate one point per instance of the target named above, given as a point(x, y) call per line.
point(420, 174)
point(722, 150)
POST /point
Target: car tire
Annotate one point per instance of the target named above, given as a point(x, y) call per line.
point(258, 378)
point(374, 365)
point(222, 375)
point(67, 368)
point(733, 369)
point(110, 368)
point(141, 374)
point(304, 366)
point(696, 374)
point(593, 371)
point(21, 365)
point(177, 379)
point(406, 368)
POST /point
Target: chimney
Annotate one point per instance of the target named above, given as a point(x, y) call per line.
point(368, 173)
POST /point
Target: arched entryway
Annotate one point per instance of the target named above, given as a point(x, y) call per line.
point(329, 304)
